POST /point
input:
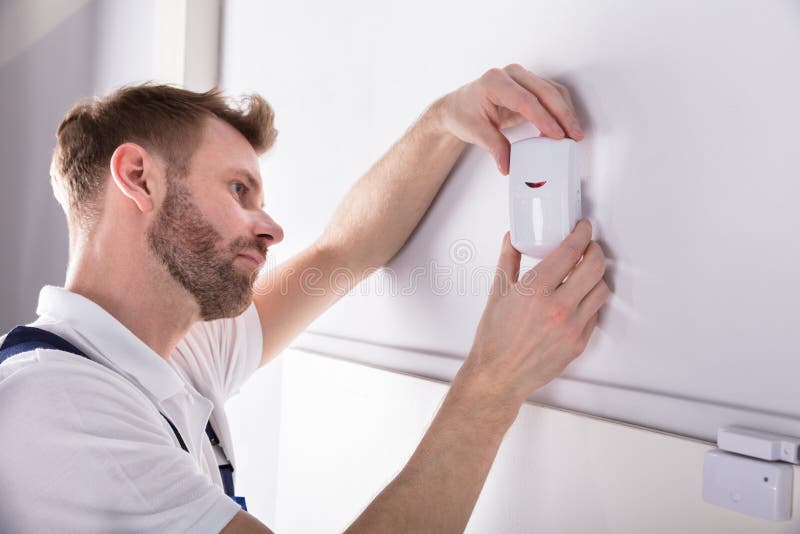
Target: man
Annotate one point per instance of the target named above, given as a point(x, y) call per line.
point(157, 324)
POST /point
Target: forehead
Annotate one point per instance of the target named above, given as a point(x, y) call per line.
point(223, 147)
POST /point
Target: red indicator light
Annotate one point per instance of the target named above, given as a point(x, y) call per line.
point(535, 184)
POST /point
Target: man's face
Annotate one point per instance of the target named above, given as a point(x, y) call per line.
point(211, 220)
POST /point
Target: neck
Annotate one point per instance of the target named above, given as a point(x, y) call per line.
point(137, 290)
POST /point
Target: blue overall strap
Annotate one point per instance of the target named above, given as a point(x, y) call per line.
point(26, 338)
point(225, 471)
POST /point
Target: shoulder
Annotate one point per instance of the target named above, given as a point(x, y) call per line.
point(57, 366)
point(54, 385)
point(88, 445)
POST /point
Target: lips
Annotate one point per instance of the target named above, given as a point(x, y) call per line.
point(258, 259)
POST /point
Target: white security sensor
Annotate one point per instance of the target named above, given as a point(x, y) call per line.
point(544, 193)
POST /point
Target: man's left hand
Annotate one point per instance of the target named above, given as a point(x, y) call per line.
point(503, 98)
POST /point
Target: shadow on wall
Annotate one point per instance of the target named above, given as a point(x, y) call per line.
point(38, 86)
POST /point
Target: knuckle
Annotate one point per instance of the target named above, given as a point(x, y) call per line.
point(519, 100)
point(513, 68)
point(530, 101)
point(573, 252)
point(552, 92)
point(558, 313)
point(493, 74)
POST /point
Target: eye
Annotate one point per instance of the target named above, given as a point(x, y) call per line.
point(238, 188)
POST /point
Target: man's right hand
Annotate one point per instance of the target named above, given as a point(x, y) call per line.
point(534, 326)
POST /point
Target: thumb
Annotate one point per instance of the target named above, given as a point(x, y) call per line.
point(497, 144)
point(507, 272)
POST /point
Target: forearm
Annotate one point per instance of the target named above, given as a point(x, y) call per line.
point(439, 486)
point(393, 195)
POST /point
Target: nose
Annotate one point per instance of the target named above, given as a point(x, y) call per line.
point(267, 229)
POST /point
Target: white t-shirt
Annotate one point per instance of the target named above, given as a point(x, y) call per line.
point(83, 447)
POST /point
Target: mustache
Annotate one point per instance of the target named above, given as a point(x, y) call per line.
point(244, 243)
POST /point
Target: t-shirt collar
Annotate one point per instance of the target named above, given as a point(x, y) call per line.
point(102, 336)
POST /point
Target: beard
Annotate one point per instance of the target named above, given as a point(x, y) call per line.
point(195, 256)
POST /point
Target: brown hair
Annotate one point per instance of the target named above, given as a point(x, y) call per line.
point(162, 118)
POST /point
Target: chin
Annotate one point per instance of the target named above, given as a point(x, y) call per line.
point(217, 311)
point(245, 304)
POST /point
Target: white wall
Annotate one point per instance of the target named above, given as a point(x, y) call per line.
point(335, 89)
point(689, 168)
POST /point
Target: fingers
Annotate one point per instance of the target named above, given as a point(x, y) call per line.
point(505, 97)
point(564, 93)
point(552, 270)
point(552, 97)
point(510, 94)
point(497, 144)
point(593, 301)
point(507, 267)
point(585, 275)
point(586, 334)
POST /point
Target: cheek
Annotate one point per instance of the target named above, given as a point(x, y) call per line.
point(233, 228)
point(225, 215)
point(237, 224)
point(226, 219)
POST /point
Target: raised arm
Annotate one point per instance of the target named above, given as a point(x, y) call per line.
point(530, 330)
point(390, 199)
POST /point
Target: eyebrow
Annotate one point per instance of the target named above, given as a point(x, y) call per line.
point(251, 182)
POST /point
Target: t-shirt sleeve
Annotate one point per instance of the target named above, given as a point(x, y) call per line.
point(221, 354)
point(83, 453)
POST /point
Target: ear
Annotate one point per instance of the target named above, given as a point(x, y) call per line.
point(135, 174)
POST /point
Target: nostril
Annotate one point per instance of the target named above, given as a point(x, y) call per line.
point(272, 237)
